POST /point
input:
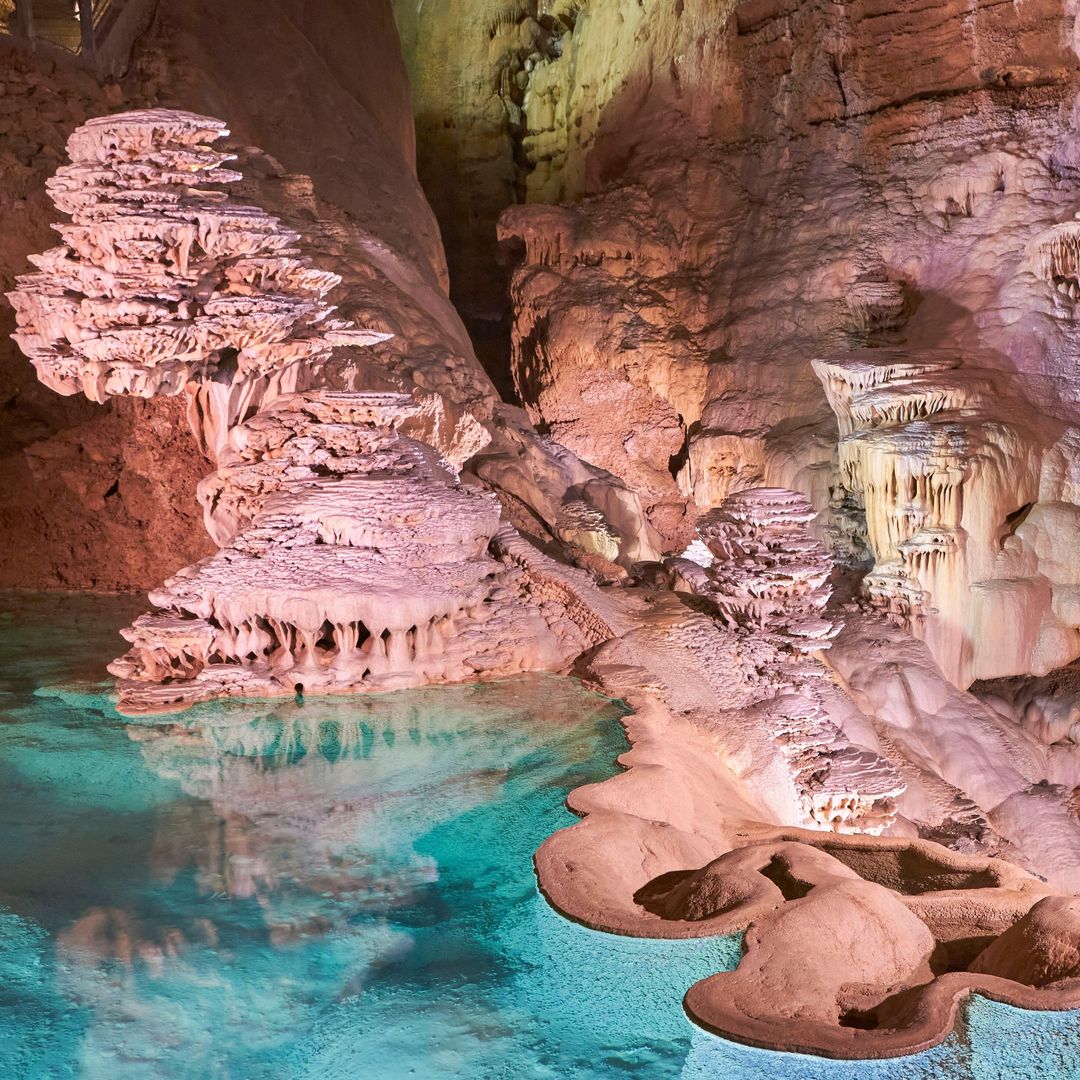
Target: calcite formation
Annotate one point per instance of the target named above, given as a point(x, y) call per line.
point(769, 582)
point(772, 182)
point(163, 286)
point(768, 572)
point(352, 560)
point(961, 506)
point(883, 964)
point(856, 945)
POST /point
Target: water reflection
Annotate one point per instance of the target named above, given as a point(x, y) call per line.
point(342, 889)
point(330, 864)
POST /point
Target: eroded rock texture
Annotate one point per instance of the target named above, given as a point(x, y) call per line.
point(763, 185)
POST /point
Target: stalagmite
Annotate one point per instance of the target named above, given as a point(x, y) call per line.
point(163, 286)
point(768, 584)
point(768, 571)
point(351, 558)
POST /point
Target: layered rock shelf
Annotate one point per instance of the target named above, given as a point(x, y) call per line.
point(352, 560)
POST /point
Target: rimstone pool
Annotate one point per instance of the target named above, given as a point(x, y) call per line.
point(342, 888)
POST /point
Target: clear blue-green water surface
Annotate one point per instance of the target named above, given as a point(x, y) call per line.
point(342, 887)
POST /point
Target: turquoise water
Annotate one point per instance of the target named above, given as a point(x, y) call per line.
point(340, 888)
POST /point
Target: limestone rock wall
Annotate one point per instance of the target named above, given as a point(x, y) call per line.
point(90, 497)
point(771, 184)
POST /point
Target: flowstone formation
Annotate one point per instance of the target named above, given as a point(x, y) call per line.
point(351, 558)
point(969, 520)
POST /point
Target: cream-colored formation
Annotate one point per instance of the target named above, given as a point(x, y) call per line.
point(967, 517)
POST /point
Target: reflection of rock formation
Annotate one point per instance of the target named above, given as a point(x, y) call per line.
point(315, 802)
point(298, 835)
point(315, 870)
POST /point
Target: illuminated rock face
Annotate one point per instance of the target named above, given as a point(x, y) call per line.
point(774, 183)
point(351, 558)
point(162, 286)
point(963, 508)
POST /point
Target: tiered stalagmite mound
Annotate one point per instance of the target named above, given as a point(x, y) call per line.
point(768, 572)
point(730, 679)
point(352, 558)
point(768, 583)
point(163, 286)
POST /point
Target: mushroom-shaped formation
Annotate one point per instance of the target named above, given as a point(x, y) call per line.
point(163, 284)
point(769, 572)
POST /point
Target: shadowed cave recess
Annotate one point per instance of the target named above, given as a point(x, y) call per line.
point(721, 357)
